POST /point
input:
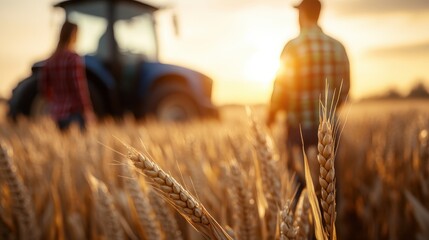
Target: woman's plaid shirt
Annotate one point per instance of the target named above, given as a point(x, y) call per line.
point(308, 62)
point(63, 83)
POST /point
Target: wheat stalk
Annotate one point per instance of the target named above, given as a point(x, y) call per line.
point(5, 231)
point(192, 210)
point(313, 200)
point(421, 214)
point(22, 206)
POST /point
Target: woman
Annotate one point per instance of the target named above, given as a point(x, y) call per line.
point(63, 82)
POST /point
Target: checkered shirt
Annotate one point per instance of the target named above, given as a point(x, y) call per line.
point(308, 62)
point(63, 84)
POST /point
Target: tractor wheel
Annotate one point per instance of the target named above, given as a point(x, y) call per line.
point(173, 104)
point(22, 97)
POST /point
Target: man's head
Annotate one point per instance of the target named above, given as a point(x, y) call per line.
point(309, 12)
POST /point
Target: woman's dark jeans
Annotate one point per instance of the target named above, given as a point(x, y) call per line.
point(75, 118)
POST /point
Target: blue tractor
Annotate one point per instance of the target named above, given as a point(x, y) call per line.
point(119, 43)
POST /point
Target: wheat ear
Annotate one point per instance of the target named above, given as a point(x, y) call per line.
point(141, 203)
point(106, 211)
point(244, 219)
point(165, 217)
point(302, 217)
point(23, 209)
point(287, 229)
point(326, 157)
point(269, 176)
point(192, 210)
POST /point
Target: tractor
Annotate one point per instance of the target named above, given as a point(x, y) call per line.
point(118, 41)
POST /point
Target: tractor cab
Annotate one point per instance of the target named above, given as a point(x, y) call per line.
point(119, 34)
point(109, 29)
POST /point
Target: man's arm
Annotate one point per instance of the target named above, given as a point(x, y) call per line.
point(277, 101)
point(345, 81)
point(281, 84)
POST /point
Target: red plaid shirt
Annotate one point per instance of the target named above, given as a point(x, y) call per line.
point(63, 84)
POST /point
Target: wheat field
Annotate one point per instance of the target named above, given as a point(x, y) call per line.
point(223, 179)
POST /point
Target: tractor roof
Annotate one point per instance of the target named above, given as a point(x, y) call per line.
point(71, 3)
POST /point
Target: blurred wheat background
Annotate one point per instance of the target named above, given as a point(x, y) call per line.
point(74, 186)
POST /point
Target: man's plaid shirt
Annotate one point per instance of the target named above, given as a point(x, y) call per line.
point(63, 84)
point(308, 62)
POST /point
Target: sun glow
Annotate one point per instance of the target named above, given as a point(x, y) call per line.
point(261, 67)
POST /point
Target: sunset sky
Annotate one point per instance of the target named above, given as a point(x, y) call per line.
point(238, 42)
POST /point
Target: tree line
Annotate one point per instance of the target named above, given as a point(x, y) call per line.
point(418, 91)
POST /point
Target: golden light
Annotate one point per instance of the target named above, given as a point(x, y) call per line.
point(261, 67)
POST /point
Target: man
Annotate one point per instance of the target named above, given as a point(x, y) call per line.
point(63, 83)
point(308, 62)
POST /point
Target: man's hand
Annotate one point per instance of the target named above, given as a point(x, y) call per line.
point(270, 119)
point(90, 118)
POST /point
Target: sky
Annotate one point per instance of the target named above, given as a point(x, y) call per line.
point(238, 42)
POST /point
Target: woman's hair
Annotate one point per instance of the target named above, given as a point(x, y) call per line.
point(66, 34)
